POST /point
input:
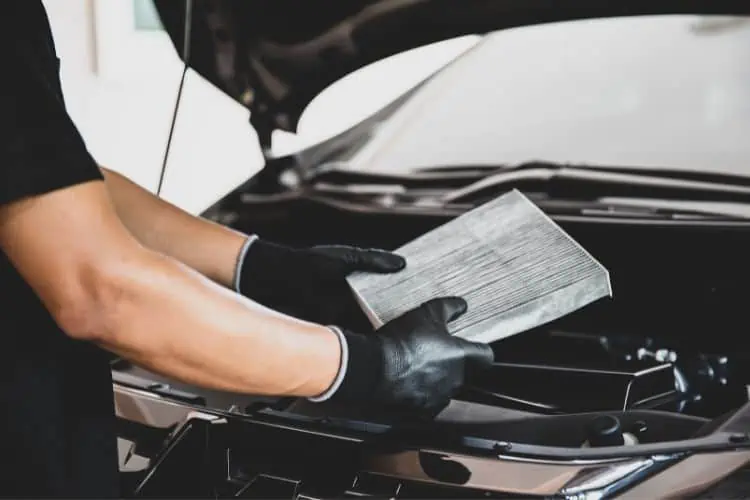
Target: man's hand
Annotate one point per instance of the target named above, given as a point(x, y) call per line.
point(310, 284)
point(412, 363)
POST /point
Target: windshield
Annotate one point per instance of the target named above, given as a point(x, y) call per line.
point(652, 92)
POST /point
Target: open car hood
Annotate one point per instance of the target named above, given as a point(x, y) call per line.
point(275, 56)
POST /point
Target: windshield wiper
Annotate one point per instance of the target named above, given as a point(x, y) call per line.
point(343, 174)
point(558, 188)
point(643, 209)
point(590, 183)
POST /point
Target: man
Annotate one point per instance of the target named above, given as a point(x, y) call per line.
point(91, 262)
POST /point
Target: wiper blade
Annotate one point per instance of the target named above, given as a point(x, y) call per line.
point(671, 173)
point(642, 209)
point(571, 182)
point(341, 174)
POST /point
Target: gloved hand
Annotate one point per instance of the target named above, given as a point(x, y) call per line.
point(411, 363)
point(310, 283)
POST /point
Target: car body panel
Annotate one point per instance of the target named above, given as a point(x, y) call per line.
point(226, 452)
point(582, 93)
point(275, 57)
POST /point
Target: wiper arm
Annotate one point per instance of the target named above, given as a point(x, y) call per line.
point(570, 182)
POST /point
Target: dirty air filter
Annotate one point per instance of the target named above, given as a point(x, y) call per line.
point(516, 268)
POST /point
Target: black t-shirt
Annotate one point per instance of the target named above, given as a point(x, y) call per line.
point(57, 425)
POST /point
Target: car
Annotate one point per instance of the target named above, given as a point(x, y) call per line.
point(627, 122)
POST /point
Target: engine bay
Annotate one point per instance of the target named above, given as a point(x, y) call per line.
point(663, 360)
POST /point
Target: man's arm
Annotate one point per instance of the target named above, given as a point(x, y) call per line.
point(60, 228)
point(102, 285)
point(209, 248)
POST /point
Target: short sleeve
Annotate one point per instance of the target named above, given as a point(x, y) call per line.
point(41, 149)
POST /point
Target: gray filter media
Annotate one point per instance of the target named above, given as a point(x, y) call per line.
point(515, 267)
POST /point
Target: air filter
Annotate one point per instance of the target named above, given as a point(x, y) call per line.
point(516, 268)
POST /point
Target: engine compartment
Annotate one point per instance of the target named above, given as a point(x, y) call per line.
point(678, 300)
point(663, 360)
point(672, 338)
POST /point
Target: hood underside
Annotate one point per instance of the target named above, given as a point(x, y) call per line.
point(275, 56)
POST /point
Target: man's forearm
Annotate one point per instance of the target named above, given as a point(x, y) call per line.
point(209, 248)
point(170, 319)
point(101, 285)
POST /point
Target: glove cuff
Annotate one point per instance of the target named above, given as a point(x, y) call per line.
point(343, 365)
point(360, 377)
point(237, 279)
point(365, 371)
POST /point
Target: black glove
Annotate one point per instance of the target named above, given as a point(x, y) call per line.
point(310, 283)
point(412, 363)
